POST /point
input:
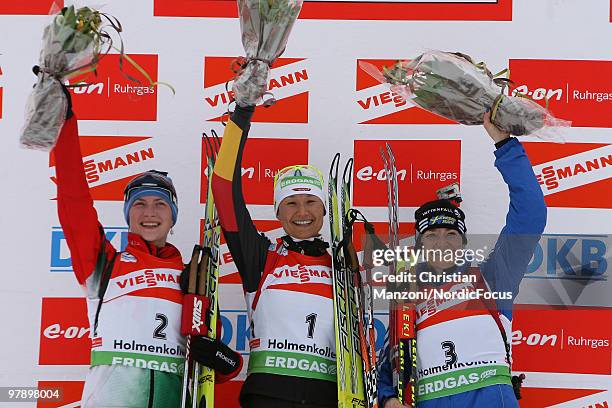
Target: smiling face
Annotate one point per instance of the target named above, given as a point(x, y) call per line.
point(445, 240)
point(301, 215)
point(151, 218)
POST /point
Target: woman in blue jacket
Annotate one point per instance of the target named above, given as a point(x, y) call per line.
point(463, 353)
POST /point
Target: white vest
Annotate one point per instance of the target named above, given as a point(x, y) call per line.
point(291, 316)
point(140, 318)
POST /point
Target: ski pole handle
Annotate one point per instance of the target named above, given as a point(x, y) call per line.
point(193, 319)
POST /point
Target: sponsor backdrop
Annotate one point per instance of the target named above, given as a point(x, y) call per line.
point(556, 50)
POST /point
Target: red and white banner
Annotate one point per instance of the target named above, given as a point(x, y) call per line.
point(31, 7)
point(112, 94)
point(288, 82)
point(355, 9)
point(110, 162)
point(423, 166)
point(375, 104)
point(228, 272)
point(70, 394)
point(325, 104)
point(573, 88)
point(573, 340)
point(64, 332)
point(573, 174)
point(260, 163)
point(564, 397)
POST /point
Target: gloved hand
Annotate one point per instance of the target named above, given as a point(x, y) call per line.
point(214, 354)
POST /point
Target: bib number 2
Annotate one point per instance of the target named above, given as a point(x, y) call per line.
point(158, 333)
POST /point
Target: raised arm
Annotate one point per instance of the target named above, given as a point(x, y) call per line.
point(77, 215)
point(248, 247)
point(525, 220)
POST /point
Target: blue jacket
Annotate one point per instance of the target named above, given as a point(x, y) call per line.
point(503, 270)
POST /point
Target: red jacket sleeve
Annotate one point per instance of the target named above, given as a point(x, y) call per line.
point(77, 215)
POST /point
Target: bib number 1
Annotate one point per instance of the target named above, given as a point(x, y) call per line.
point(311, 319)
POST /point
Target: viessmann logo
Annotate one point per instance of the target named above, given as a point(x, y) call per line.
point(355, 9)
point(573, 174)
point(573, 88)
point(112, 95)
point(423, 166)
point(31, 7)
point(111, 161)
point(376, 104)
point(260, 164)
point(562, 341)
point(64, 332)
point(288, 82)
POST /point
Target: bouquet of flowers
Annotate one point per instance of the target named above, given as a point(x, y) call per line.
point(452, 86)
point(265, 26)
point(73, 44)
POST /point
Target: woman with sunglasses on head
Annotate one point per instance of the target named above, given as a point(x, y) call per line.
point(134, 299)
point(287, 282)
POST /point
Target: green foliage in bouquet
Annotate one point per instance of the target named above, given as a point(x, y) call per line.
point(278, 11)
point(77, 29)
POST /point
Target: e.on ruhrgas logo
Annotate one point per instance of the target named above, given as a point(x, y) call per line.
point(573, 174)
point(71, 392)
point(354, 9)
point(376, 104)
point(113, 95)
point(423, 166)
point(260, 163)
point(30, 6)
point(574, 88)
point(288, 82)
point(110, 162)
point(64, 332)
point(562, 341)
point(228, 272)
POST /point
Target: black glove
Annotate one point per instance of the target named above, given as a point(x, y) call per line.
point(215, 354)
point(184, 279)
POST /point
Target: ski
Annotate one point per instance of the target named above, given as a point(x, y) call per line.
point(351, 267)
point(348, 325)
point(343, 356)
point(402, 315)
point(199, 381)
point(204, 387)
point(364, 335)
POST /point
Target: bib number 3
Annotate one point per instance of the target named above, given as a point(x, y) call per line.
point(449, 352)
